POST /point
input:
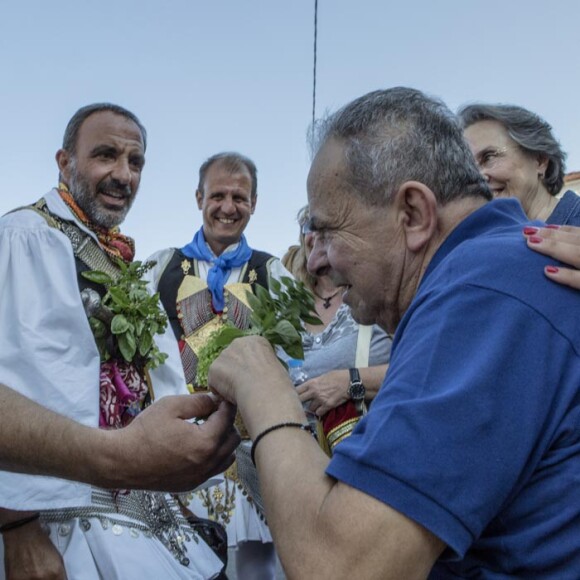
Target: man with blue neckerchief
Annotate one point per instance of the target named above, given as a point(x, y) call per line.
point(202, 285)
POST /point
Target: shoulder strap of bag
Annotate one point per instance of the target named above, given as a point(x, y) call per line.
point(363, 346)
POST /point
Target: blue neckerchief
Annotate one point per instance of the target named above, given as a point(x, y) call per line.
point(221, 266)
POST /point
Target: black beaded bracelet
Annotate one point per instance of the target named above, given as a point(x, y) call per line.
point(19, 523)
point(301, 426)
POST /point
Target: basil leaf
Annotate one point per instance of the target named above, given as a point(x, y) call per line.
point(127, 346)
point(119, 324)
point(119, 297)
point(145, 343)
point(97, 277)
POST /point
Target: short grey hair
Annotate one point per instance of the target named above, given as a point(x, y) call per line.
point(400, 134)
point(234, 163)
point(531, 133)
point(71, 133)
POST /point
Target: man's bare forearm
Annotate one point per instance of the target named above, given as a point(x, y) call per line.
point(317, 522)
point(38, 441)
point(160, 450)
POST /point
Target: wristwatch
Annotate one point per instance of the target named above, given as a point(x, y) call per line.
point(356, 389)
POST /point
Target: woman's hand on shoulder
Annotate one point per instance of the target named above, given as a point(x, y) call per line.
point(561, 243)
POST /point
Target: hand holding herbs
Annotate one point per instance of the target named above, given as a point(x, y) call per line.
point(276, 315)
point(127, 318)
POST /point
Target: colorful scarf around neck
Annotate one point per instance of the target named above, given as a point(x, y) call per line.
point(115, 244)
point(221, 265)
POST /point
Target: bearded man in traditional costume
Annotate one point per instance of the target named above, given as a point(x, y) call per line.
point(51, 527)
point(203, 285)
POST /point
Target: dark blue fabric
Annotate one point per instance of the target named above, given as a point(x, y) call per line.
point(567, 212)
point(221, 265)
point(475, 433)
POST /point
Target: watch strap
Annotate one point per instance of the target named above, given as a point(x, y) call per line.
point(356, 388)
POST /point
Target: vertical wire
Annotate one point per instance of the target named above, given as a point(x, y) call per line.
point(314, 69)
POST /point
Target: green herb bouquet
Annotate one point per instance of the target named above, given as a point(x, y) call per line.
point(277, 315)
point(127, 318)
point(124, 323)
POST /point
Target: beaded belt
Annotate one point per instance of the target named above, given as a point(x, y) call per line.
point(154, 514)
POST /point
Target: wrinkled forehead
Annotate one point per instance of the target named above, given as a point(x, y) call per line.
point(330, 195)
point(109, 127)
point(328, 172)
point(227, 174)
point(485, 134)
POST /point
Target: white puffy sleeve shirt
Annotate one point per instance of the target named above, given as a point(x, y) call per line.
point(47, 351)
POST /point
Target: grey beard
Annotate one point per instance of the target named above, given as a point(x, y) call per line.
point(86, 199)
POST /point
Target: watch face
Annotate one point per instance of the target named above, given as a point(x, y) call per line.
point(356, 391)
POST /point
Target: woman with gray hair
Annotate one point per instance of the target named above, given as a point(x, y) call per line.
point(519, 156)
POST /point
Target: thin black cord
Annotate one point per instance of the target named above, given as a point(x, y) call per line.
point(314, 71)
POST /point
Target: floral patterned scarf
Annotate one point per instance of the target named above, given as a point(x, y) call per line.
point(113, 241)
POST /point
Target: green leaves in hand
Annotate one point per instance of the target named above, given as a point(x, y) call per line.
point(277, 315)
point(217, 341)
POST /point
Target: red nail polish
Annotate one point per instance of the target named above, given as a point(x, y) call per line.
point(552, 269)
point(528, 230)
point(552, 226)
point(535, 240)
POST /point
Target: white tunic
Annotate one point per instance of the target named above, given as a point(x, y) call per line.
point(48, 354)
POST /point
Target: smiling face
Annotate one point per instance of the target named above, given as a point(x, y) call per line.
point(227, 204)
point(359, 246)
point(510, 171)
point(104, 170)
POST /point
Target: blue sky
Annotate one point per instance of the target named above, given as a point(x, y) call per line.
point(237, 75)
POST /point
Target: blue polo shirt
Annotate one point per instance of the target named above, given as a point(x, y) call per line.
point(475, 433)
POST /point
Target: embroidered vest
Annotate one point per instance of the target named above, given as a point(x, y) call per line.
point(88, 255)
point(114, 411)
point(187, 301)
